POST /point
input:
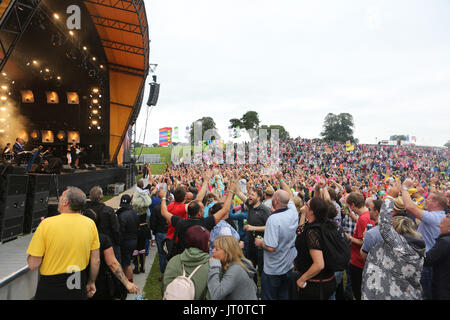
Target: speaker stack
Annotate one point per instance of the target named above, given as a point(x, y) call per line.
point(36, 207)
point(13, 194)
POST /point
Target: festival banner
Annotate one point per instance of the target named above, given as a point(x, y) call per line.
point(165, 136)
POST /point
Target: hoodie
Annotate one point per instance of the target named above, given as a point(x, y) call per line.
point(233, 284)
point(190, 258)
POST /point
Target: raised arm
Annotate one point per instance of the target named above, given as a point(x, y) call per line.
point(410, 206)
point(223, 213)
point(389, 235)
point(164, 212)
point(284, 185)
point(201, 194)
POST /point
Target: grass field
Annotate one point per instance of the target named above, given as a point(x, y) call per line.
point(165, 156)
point(152, 288)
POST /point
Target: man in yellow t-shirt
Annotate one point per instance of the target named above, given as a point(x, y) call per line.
point(63, 246)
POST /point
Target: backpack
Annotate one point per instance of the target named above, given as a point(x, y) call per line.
point(170, 247)
point(335, 247)
point(182, 287)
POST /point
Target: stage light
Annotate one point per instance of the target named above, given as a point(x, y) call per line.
point(101, 66)
point(94, 111)
point(34, 135)
point(94, 122)
point(71, 33)
point(58, 77)
point(73, 136)
point(98, 128)
point(27, 96)
point(3, 98)
point(52, 97)
point(35, 62)
point(4, 74)
point(61, 135)
point(47, 70)
point(28, 63)
point(95, 101)
point(94, 58)
point(2, 131)
point(56, 16)
point(47, 136)
point(3, 109)
point(2, 119)
point(72, 98)
point(5, 87)
point(84, 48)
point(95, 90)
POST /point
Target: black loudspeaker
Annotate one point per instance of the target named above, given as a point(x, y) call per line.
point(13, 193)
point(11, 170)
point(67, 168)
point(154, 94)
point(36, 208)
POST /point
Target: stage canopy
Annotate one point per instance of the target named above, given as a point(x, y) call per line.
point(123, 30)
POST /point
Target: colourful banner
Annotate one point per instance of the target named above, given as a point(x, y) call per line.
point(165, 136)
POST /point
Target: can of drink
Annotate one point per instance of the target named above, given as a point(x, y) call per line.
point(369, 226)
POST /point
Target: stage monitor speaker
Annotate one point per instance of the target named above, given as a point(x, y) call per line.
point(92, 167)
point(154, 94)
point(13, 190)
point(36, 207)
point(67, 168)
point(84, 166)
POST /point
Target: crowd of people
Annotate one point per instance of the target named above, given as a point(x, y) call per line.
point(320, 223)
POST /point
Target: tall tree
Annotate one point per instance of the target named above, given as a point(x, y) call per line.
point(282, 133)
point(250, 120)
point(338, 127)
point(207, 123)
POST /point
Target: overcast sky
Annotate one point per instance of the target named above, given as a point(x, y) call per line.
point(385, 62)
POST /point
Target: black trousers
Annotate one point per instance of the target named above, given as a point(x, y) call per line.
point(356, 277)
point(66, 286)
point(317, 290)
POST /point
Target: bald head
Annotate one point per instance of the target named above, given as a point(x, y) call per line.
point(189, 196)
point(280, 199)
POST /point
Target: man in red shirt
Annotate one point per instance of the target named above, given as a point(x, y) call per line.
point(179, 206)
point(356, 203)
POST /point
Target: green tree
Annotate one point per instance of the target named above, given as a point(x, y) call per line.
point(207, 124)
point(447, 144)
point(250, 120)
point(338, 127)
point(282, 132)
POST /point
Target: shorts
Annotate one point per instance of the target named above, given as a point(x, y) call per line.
point(126, 251)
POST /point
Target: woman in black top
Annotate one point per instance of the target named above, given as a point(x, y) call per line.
point(315, 282)
point(106, 284)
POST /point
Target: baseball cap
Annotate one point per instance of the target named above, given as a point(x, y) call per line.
point(125, 199)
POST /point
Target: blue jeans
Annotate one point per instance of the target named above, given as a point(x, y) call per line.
point(339, 277)
point(425, 281)
point(275, 287)
point(159, 237)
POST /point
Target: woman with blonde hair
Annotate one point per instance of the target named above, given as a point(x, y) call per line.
point(393, 267)
point(230, 274)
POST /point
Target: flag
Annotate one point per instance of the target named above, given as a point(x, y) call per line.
point(175, 133)
point(413, 138)
point(350, 148)
point(347, 143)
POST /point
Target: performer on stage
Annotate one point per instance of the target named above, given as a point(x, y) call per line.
point(18, 151)
point(7, 152)
point(74, 155)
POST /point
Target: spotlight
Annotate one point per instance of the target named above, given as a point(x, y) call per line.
point(95, 101)
point(5, 87)
point(94, 122)
point(3, 98)
point(58, 77)
point(35, 62)
point(56, 16)
point(3, 109)
point(94, 58)
point(4, 74)
point(84, 48)
point(71, 33)
point(94, 111)
point(47, 70)
point(95, 90)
